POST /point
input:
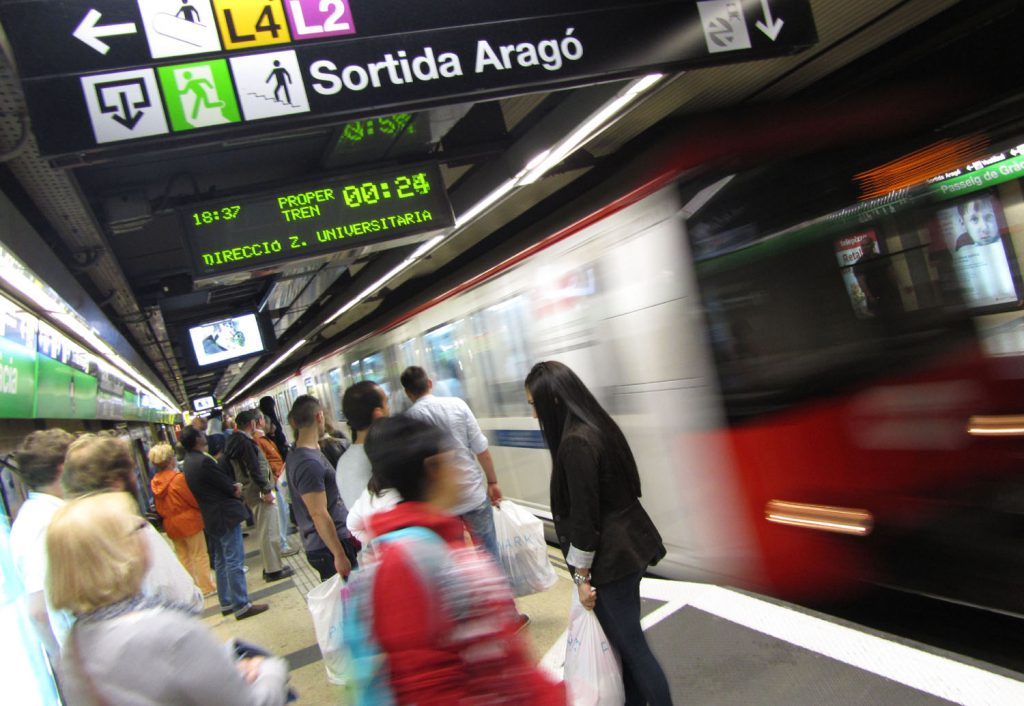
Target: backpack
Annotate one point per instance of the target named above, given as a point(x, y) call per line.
point(367, 680)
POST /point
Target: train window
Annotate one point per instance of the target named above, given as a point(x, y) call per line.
point(337, 390)
point(501, 337)
point(445, 369)
point(375, 369)
point(407, 353)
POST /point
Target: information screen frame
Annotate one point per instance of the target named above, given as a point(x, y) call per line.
point(204, 404)
point(314, 218)
point(266, 332)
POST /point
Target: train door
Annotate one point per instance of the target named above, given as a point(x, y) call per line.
point(444, 365)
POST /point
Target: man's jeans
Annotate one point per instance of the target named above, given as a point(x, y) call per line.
point(480, 523)
point(229, 566)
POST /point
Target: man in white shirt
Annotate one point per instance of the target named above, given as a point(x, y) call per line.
point(40, 464)
point(472, 456)
point(362, 404)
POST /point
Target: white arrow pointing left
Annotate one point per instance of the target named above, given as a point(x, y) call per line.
point(90, 32)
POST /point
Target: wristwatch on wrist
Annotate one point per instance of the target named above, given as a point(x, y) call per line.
point(579, 579)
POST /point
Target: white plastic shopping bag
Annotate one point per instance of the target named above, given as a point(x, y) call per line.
point(523, 551)
point(593, 673)
point(325, 605)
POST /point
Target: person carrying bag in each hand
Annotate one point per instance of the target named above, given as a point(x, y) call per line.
point(605, 534)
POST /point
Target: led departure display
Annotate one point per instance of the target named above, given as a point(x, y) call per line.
point(316, 218)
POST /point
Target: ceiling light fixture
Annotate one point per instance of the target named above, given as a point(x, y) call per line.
point(267, 370)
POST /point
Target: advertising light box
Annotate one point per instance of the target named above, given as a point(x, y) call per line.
point(305, 220)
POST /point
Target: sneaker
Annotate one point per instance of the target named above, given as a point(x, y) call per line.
point(524, 620)
point(251, 610)
point(278, 575)
point(289, 551)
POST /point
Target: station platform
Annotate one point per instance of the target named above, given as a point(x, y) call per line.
point(718, 646)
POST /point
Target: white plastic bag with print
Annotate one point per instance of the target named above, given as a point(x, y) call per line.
point(593, 672)
point(325, 605)
point(523, 551)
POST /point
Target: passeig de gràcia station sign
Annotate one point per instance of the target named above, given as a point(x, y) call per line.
point(103, 74)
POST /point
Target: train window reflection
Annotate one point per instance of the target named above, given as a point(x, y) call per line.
point(444, 366)
point(375, 369)
point(501, 337)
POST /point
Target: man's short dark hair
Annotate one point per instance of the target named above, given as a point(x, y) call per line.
point(190, 438)
point(40, 455)
point(358, 403)
point(304, 411)
point(415, 381)
point(247, 417)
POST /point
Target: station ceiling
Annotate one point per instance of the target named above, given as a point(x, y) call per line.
point(115, 221)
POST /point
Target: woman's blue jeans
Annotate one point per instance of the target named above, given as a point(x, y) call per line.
point(618, 611)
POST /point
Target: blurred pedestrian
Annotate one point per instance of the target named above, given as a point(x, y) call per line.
point(269, 449)
point(606, 536)
point(276, 433)
point(127, 648)
point(442, 612)
point(219, 499)
point(40, 464)
point(103, 464)
point(182, 520)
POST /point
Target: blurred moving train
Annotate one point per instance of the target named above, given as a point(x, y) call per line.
point(798, 388)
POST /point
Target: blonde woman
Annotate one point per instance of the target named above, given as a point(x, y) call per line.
point(181, 517)
point(98, 557)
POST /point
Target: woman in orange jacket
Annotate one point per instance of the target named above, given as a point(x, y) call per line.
point(181, 519)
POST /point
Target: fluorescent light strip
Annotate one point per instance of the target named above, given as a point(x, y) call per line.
point(16, 275)
point(544, 162)
point(267, 369)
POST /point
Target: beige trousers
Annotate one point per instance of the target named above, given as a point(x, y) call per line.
point(192, 554)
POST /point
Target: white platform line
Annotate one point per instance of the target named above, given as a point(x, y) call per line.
point(932, 674)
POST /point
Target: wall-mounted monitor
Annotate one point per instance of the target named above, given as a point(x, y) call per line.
point(223, 341)
point(201, 404)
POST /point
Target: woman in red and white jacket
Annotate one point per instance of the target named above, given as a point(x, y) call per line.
point(440, 610)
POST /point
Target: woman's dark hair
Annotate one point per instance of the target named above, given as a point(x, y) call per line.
point(398, 448)
point(358, 403)
point(269, 409)
point(562, 402)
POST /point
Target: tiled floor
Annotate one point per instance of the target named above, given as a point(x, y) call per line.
point(287, 628)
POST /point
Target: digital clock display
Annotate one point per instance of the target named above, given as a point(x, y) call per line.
point(316, 218)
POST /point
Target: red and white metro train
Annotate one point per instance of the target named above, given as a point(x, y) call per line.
point(813, 407)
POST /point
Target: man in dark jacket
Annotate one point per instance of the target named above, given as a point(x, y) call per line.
point(222, 512)
point(252, 469)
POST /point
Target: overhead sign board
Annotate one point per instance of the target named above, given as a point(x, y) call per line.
point(241, 66)
point(316, 218)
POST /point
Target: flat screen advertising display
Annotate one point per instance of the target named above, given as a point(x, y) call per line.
point(972, 233)
point(230, 339)
point(201, 404)
point(333, 214)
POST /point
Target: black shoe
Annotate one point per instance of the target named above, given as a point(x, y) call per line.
point(227, 611)
point(253, 609)
point(278, 575)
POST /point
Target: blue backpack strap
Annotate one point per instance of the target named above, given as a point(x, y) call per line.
point(369, 683)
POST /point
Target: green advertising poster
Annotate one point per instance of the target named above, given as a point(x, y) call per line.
point(63, 392)
point(17, 361)
point(199, 94)
point(17, 381)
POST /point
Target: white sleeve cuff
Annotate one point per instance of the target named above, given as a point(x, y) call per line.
point(579, 558)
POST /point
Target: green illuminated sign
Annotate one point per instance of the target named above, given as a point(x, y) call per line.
point(360, 130)
point(1006, 170)
point(332, 215)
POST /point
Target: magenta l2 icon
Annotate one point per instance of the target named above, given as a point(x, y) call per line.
point(312, 19)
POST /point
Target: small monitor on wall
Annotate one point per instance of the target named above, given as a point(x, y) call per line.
point(226, 340)
point(201, 404)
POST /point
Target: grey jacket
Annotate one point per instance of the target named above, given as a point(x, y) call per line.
point(160, 657)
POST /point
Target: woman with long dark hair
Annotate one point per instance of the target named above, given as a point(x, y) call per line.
point(269, 409)
point(607, 537)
